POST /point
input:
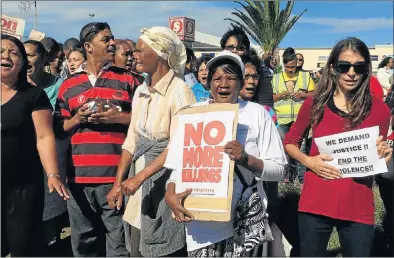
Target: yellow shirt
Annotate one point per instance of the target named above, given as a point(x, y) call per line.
point(153, 109)
point(311, 84)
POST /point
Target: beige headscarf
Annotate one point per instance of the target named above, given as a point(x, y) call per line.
point(167, 45)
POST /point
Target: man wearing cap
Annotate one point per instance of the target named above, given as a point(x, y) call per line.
point(94, 105)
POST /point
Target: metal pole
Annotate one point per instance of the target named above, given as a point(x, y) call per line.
point(35, 15)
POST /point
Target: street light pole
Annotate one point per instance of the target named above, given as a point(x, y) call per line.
point(35, 15)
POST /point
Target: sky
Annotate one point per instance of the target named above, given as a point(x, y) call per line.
point(324, 23)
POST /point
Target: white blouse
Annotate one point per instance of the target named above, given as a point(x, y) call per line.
point(383, 78)
point(257, 133)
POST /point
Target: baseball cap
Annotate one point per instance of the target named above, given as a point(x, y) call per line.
point(227, 55)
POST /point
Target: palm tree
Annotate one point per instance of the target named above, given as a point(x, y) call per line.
point(265, 22)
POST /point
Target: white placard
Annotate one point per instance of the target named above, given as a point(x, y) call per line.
point(204, 165)
point(13, 26)
point(354, 152)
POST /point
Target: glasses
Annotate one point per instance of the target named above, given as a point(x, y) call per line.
point(238, 48)
point(96, 28)
point(344, 67)
point(300, 59)
point(254, 76)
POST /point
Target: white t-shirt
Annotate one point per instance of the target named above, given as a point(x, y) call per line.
point(257, 132)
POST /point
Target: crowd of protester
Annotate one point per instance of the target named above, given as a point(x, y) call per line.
point(94, 120)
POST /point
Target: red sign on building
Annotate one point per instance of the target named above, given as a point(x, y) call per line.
point(184, 27)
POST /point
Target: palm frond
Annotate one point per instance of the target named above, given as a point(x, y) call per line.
point(264, 22)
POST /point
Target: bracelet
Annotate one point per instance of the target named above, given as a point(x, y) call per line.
point(53, 175)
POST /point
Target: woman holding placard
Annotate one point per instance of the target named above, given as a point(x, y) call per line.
point(342, 103)
point(258, 155)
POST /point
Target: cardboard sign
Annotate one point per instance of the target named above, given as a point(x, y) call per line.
point(36, 35)
point(354, 153)
point(12, 26)
point(184, 27)
point(202, 165)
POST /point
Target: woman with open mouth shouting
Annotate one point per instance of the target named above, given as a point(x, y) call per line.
point(258, 154)
point(252, 76)
point(36, 74)
point(28, 145)
point(200, 89)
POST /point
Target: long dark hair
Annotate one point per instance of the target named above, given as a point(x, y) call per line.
point(22, 75)
point(384, 62)
point(359, 100)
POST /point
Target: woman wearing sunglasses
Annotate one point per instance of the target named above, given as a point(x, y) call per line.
point(343, 102)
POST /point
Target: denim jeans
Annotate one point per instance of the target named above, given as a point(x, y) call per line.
point(356, 239)
point(296, 168)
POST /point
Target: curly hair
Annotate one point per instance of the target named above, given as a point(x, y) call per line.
point(202, 60)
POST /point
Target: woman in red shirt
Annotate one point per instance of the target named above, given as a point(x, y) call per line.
point(343, 102)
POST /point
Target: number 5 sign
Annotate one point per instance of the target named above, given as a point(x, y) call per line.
point(184, 27)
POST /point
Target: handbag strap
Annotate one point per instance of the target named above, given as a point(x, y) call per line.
point(242, 179)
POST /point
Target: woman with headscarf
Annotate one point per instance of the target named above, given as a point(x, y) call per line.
point(162, 55)
point(27, 145)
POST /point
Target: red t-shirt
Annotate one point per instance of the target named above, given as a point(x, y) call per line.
point(376, 88)
point(345, 199)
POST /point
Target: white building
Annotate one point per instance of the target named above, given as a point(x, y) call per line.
point(314, 58)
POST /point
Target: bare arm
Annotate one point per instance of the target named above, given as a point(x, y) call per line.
point(153, 167)
point(124, 163)
point(294, 152)
point(42, 120)
point(131, 185)
point(46, 147)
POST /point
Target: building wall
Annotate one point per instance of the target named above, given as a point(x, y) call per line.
point(315, 58)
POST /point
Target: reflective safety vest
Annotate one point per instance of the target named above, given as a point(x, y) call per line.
point(287, 109)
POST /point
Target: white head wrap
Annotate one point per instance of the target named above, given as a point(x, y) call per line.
point(167, 45)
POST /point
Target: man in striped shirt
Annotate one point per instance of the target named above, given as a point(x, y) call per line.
point(98, 133)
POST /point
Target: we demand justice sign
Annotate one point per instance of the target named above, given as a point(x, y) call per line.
point(354, 152)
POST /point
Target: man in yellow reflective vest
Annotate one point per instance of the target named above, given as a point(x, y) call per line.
point(290, 89)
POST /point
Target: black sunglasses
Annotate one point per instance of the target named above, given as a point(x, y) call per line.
point(100, 26)
point(344, 67)
point(238, 48)
point(300, 59)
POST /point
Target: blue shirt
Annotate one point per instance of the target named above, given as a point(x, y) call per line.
point(200, 92)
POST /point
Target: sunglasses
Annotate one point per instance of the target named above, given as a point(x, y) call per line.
point(100, 26)
point(300, 59)
point(238, 48)
point(344, 67)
